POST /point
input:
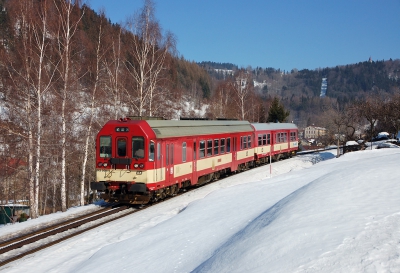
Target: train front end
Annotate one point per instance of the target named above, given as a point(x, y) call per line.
point(124, 161)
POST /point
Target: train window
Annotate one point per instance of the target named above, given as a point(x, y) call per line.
point(202, 149)
point(121, 146)
point(241, 143)
point(260, 140)
point(281, 137)
point(158, 151)
point(244, 142)
point(278, 138)
point(293, 136)
point(222, 145)
point(151, 151)
point(269, 139)
point(138, 147)
point(228, 145)
point(105, 146)
point(184, 152)
point(248, 141)
point(264, 139)
point(216, 146)
point(209, 147)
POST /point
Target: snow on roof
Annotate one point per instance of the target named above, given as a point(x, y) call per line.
point(351, 143)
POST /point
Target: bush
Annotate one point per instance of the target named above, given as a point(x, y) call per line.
point(23, 217)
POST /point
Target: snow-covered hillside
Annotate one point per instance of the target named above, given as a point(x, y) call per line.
point(340, 215)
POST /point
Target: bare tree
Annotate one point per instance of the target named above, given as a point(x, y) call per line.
point(370, 110)
point(112, 64)
point(242, 86)
point(32, 76)
point(96, 72)
point(221, 101)
point(146, 57)
point(68, 25)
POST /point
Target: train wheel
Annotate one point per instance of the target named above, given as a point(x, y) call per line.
point(217, 175)
point(161, 195)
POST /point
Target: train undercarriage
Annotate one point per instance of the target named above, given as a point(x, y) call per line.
point(137, 194)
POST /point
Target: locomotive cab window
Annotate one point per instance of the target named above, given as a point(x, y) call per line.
point(121, 146)
point(105, 146)
point(138, 147)
point(151, 151)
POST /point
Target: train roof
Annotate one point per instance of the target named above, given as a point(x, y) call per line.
point(273, 126)
point(179, 128)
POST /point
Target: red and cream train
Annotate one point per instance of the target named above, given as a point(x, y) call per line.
point(138, 161)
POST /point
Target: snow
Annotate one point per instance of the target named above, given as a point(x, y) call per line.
point(351, 143)
point(313, 213)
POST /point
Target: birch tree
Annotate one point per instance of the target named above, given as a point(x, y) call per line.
point(33, 77)
point(67, 28)
point(112, 65)
point(147, 55)
point(242, 87)
point(97, 71)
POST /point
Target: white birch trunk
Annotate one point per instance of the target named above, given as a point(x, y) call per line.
point(68, 29)
point(89, 129)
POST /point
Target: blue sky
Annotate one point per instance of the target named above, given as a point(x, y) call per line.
point(282, 34)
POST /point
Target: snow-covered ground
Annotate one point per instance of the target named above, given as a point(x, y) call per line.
point(340, 215)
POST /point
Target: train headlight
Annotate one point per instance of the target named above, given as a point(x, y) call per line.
point(101, 164)
point(136, 165)
point(141, 165)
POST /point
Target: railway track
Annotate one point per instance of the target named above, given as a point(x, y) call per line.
point(41, 239)
point(16, 248)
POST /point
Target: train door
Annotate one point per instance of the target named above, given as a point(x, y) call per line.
point(194, 165)
point(121, 159)
point(169, 158)
point(234, 154)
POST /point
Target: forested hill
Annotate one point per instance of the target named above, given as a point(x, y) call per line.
point(345, 82)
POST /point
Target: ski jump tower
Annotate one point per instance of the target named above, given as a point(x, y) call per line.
point(324, 86)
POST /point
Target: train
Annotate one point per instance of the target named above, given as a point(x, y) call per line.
point(142, 160)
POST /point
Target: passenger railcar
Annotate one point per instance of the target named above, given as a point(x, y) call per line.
point(275, 140)
point(139, 161)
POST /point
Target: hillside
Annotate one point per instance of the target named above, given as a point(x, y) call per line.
point(300, 90)
point(338, 215)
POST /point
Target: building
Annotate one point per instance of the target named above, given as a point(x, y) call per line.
point(314, 132)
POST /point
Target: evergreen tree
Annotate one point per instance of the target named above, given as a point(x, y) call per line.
point(277, 112)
